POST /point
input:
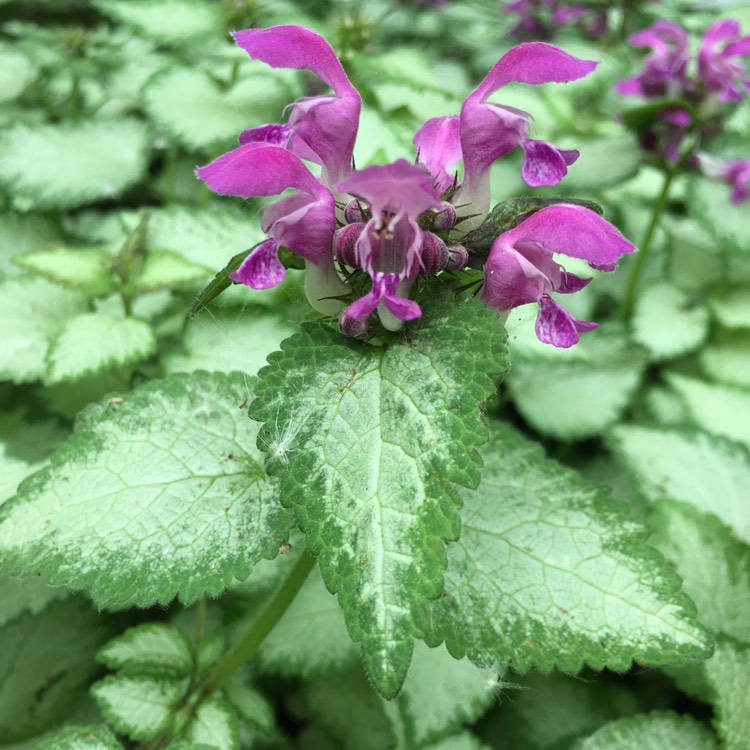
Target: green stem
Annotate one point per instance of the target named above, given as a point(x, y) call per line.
point(643, 251)
point(261, 626)
point(75, 95)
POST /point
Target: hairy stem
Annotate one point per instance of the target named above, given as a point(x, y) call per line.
point(643, 250)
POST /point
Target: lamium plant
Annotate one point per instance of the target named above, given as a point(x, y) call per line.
point(328, 418)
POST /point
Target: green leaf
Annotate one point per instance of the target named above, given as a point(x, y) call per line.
point(311, 638)
point(574, 395)
point(220, 282)
point(12, 472)
point(152, 647)
point(728, 674)
point(74, 163)
point(20, 595)
point(372, 440)
point(22, 232)
point(166, 269)
point(667, 322)
point(194, 110)
point(654, 731)
point(715, 408)
point(140, 707)
point(87, 269)
point(229, 340)
point(251, 707)
point(166, 21)
point(463, 741)
point(695, 262)
point(605, 161)
point(214, 725)
point(32, 313)
point(46, 662)
point(732, 307)
point(16, 72)
point(710, 473)
point(163, 489)
point(550, 572)
point(94, 342)
point(709, 203)
point(713, 564)
point(80, 738)
point(727, 359)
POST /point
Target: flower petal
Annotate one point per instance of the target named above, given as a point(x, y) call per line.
point(510, 279)
point(545, 164)
point(262, 269)
point(556, 326)
point(574, 231)
point(439, 148)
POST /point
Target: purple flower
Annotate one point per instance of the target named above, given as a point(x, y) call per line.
point(520, 268)
point(321, 128)
point(484, 131)
point(665, 68)
point(719, 70)
point(735, 173)
point(390, 243)
point(304, 221)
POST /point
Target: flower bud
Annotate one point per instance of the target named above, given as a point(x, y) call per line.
point(344, 242)
point(356, 328)
point(354, 212)
point(445, 216)
point(458, 257)
point(434, 254)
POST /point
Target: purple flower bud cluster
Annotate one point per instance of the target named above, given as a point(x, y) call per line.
point(541, 19)
point(700, 90)
point(392, 223)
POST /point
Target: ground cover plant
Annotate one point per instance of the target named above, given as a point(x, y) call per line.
point(374, 375)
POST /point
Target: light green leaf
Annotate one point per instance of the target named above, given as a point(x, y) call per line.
point(46, 662)
point(694, 259)
point(713, 564)
point(164, 490)
point(140, 707)
point(441, 694)
point(727, 359)
point(550, 572)
point(19, 595)
point(231, 340)
point(715, 408)
point(728, 673)
point(12, 472)
point(251, 707)
point(371, 440)
point(655, 731)
point(87, 269)
point(167, 21)
point(151, 647)
point(667, 322)
point(80, 738)
point(74, 163)
point(710, 473)
point(16, 72)
point(166, 269)
point(311, 637)
point(214, 725)
point(32, 313)
point(577, 395)
point(193, 109)
point(22, 232)
point(732, 307)
point(605, 161)
point(709, 203)
point(94, 342)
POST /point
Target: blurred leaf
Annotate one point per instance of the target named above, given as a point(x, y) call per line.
point(16, 72)
point(605, 161)
point(80, 738)
point(165, 269)
point(727, 359)
point(87, 269)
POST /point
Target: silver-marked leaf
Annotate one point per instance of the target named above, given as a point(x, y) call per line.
point(668, 322)
point(714, 565)
point(727, 359)
point(710, 473)
point(94, 342)
point(732, 307)
point(192, 108)
point(16, 71)
point(718, 409)
point(214, 725)
point(726, 221)
point(728, 673)
point(151, 647)
point(80, 738)
point(251, 706)
point(74, 163)
point(654, 731)
point(372, 440)
point(46, 661)
point(20, 233)
point(87, 269)
point(140, 707)
point(166, 269)
point(32, 313)
point(550, 572)
point(163, 488)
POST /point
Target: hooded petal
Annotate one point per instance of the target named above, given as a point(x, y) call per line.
point(262, 269)
point(327, 124)
point(574, 231)
point(438, 145)
point(556, 326)
point(510, 279)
